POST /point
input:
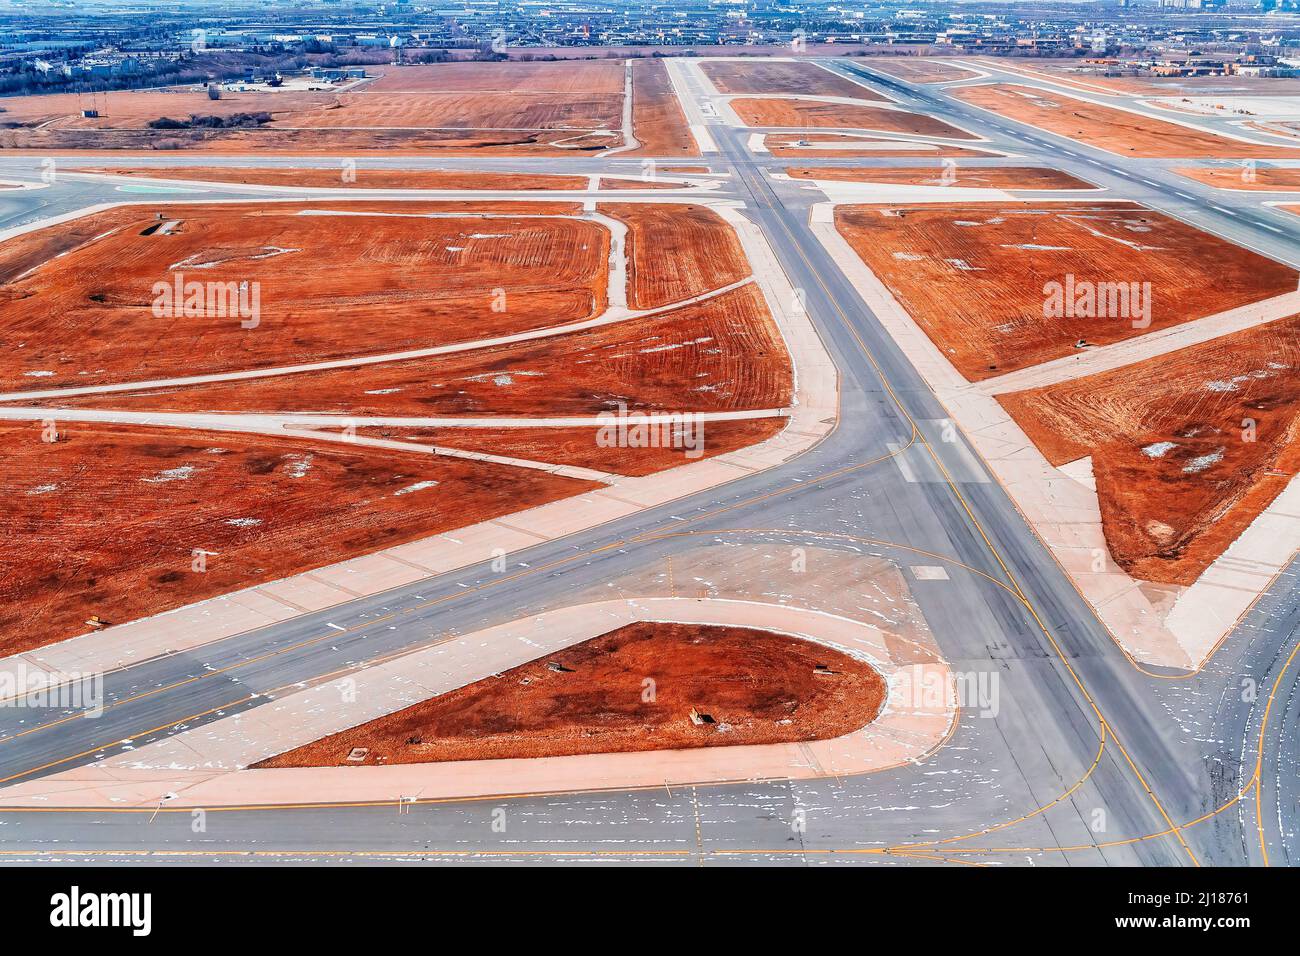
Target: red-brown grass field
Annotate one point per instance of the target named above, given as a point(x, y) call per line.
point(1178, 476)
point(1115, 130)
point(107, 520)
point(722, 354)
point(657, 119)
point(347, 279)
point(828, 145)
point(917, 69)
point(969, 177)
point(811, 114)
point(506, 108)
point(973, 276)
point(677, 251)
point(355, 178)
point(756, 687)
point(1261, 178)
point(351, 279)
point(783, 76)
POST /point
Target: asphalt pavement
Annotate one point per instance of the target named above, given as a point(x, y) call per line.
point(1088, 760)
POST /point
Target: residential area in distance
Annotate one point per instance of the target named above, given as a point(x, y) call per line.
point(698, 434)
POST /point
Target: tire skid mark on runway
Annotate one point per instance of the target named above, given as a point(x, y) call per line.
point(922, 847)
point(1259, 753)
point(1250, 787)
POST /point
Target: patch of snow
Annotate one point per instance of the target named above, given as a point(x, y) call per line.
point(171, 474)
point(418, 486)
point(194, 262)
point(299, 465)
point(1158, 449)
point(681, 345)
point(1201, 462)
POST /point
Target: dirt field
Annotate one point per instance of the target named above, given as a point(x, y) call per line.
point(315, 141)
point(404, 280)
point(776, 76)
point(988, 177)
point(26, 252)
point(718, 355)
point(462, 111)
point(107, 520)
point(755, 687)
point(133, 109)
point(810, 114)
point(975, 276)
point(917, 69)
point(334, 178)
point(1176, 480)
point(1291, 130)
point(785, 144)
point(677, 251)
point(1118, 131)
point(579, 446)
point(626, 184)
point(657, 119)
point(1261, 178)
point(1069, 73)
point(513, 77)
point(508, 108)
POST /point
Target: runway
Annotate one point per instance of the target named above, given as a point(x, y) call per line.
point(1089, 760)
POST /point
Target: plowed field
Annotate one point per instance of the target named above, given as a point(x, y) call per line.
point(331, 282)
point(1262, 178)
point(970, 177)
point(677, 251)
point(719, 355)
point(1180, 472)
point(1119, 131)
point(780, 76)
point(360, 178)
point(108, 520)
point(810, 114)
point(976, 277)
point(657, 119)
point(918, 69)
point(825, 145)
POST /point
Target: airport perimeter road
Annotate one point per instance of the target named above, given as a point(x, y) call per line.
point(1082, 758)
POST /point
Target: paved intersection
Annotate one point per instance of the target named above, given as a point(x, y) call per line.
point(1088, 760)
